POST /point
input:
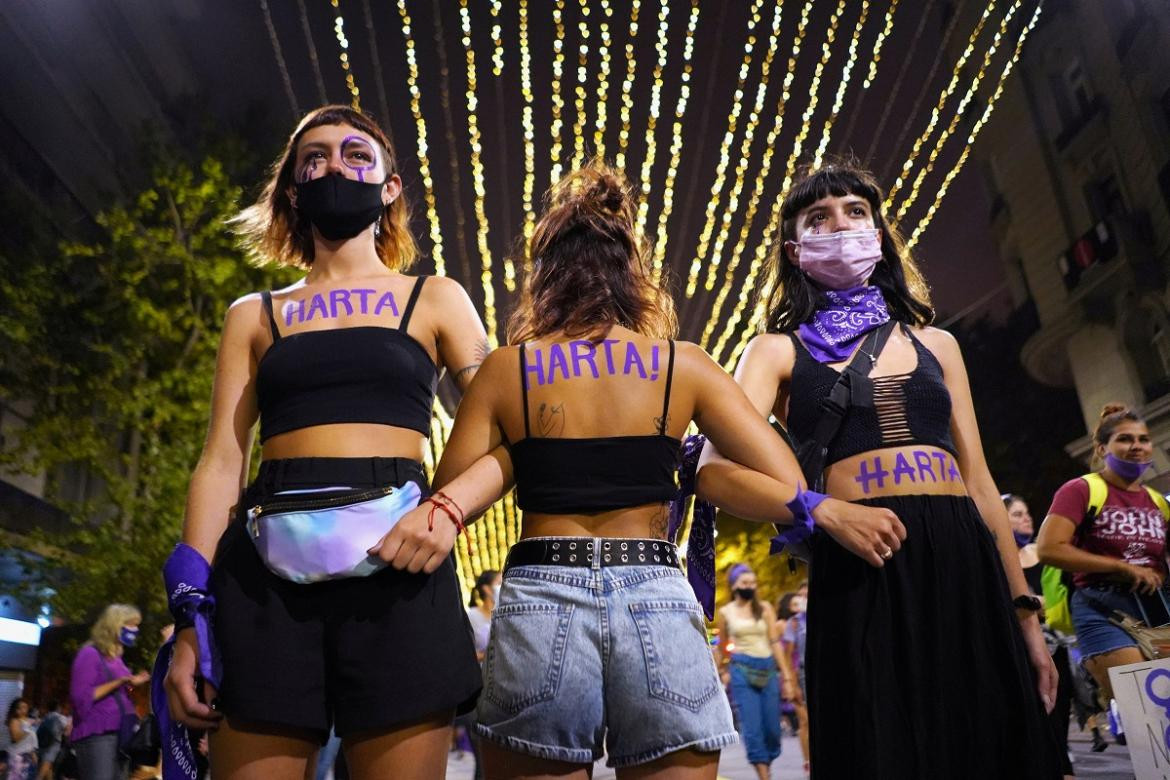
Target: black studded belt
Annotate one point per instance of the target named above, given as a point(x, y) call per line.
point(579, 551)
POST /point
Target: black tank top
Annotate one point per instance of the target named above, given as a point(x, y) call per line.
point(363, 374)
point(563, 476)
point(913, 408)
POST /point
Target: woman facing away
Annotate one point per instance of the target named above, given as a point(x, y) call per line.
point(597, 638)
point(341, 369)
point(911, 651)
point(1113, 540)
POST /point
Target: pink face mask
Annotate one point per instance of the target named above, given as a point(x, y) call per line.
point(840, 260)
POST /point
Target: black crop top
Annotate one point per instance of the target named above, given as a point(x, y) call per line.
point(362, 374)
point(913, 408)
point(563, 476)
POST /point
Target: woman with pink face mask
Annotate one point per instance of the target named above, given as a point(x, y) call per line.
point(916, 641)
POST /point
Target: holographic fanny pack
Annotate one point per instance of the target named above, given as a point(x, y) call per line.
point(317, 535)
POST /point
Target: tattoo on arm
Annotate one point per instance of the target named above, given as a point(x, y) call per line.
point(550, 420)
point(482, 350)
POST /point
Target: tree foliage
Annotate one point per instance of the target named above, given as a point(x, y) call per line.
point(111, 343)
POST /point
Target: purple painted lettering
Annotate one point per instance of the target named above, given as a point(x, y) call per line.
point(337, 298)
point(583, 351)
point(922, 460)
point(654, 363)
point(954, 472)
point(557, 359)
point(608, 343)
point(387, 299)
point(902, 466)
point(364, 294)
point(941, 457)
point(536, 367)
point(291, 308)
point(865, 476)
point(633, 358)
point(317, 303)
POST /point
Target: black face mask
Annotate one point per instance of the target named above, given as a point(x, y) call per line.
point(747, 594)
point(338, 207)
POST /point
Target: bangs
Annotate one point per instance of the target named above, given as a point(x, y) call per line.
point(830, 181)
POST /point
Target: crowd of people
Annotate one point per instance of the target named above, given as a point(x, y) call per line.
point(317, 603)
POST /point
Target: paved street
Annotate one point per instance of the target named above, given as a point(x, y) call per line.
point(1113, 764)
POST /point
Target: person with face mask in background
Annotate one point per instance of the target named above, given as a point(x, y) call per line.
point(922, 633)
point(99, 686)
point(340, 368)
point(758, 669)
point(1110, 531)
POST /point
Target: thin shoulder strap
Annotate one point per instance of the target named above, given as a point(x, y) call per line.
point(266, 296)
point(411, 302)
point(666, 393)
point(524, 389)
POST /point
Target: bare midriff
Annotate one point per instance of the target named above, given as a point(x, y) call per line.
point(895, 471)
point(346, 440)
point(639, 522)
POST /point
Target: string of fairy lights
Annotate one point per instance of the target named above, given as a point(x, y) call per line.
point(591, 30)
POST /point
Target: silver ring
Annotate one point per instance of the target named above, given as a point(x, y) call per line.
point(887, 554)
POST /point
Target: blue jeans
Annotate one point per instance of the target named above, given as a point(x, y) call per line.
point(758, 708)
point(618, 654)
point(98, 759)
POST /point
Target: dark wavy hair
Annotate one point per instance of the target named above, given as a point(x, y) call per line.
point(271, 229)
point(590, 264)
point(484, 580)
point(792, 298)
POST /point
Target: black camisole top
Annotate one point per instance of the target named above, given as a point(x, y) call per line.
point(563, 476)
point(913, 408)
point(363, 374)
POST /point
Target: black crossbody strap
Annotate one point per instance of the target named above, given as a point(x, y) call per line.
point(851, 387)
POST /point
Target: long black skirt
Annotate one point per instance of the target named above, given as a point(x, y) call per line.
point(919, 669)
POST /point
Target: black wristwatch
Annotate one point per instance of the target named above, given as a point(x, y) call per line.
point(1029, 602)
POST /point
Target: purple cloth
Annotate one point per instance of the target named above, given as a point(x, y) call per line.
point(842, 317)
point(734, 572)
point(102, 716)
point(186, 575)
point(701, 540)
point(801, 506)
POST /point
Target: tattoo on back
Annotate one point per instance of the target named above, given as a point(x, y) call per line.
point(660, 523)
point(550, 420)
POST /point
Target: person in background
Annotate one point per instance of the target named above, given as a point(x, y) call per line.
point(793, 634)
point(749, 625)
point(99, 689)
point(484, 597)
point(21, 738)
point(1117, 551)
point(53, 730)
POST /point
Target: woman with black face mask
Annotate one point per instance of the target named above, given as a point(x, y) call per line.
point(286, 627)
point(750, 646)
point(922, 633)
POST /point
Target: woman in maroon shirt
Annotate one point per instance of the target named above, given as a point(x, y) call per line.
point(1117, 554)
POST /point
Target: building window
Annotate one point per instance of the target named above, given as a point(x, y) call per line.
point(1079, 93)
point(1104, 198)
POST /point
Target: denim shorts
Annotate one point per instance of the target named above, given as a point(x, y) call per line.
point(579, 655)
point(1091, 608)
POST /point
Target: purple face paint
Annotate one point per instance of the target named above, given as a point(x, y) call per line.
point(317, 303)
point(534, 365)
point(922, 461)
point(866, 476)
point(338, 298)
point(365, 294)
point(608, 344)
point(557, 360)
point(386, 301)
point(873, 471)
point(358, 155)
point(584, 351)
point(633, 359)
point(291, 308)
point(941, 457)
point(902, 467)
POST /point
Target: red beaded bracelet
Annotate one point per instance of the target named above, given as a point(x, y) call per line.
point(436, 504)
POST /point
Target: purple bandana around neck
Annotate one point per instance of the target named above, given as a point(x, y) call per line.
point(701, 539)
point(842, 317)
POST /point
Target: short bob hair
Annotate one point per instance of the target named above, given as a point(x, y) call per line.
point(272, 231)
point(105, 631)
point(590, 264)
point(792, 299)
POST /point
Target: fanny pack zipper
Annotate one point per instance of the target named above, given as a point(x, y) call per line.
point(309, 504)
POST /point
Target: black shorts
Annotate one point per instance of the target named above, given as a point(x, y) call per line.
point(359, 654)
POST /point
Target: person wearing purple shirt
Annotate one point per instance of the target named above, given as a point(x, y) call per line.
point(99, 693)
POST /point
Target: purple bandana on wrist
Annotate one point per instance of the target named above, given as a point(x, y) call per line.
point(186, 574)
point(842, 317)
point(801, 506)
point(701, 539)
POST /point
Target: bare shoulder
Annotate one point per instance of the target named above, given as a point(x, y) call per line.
point(444, 290)
point(691, 360)
point(501, 363)
point(771, 348)
point(941, 343)
point(245, 312)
